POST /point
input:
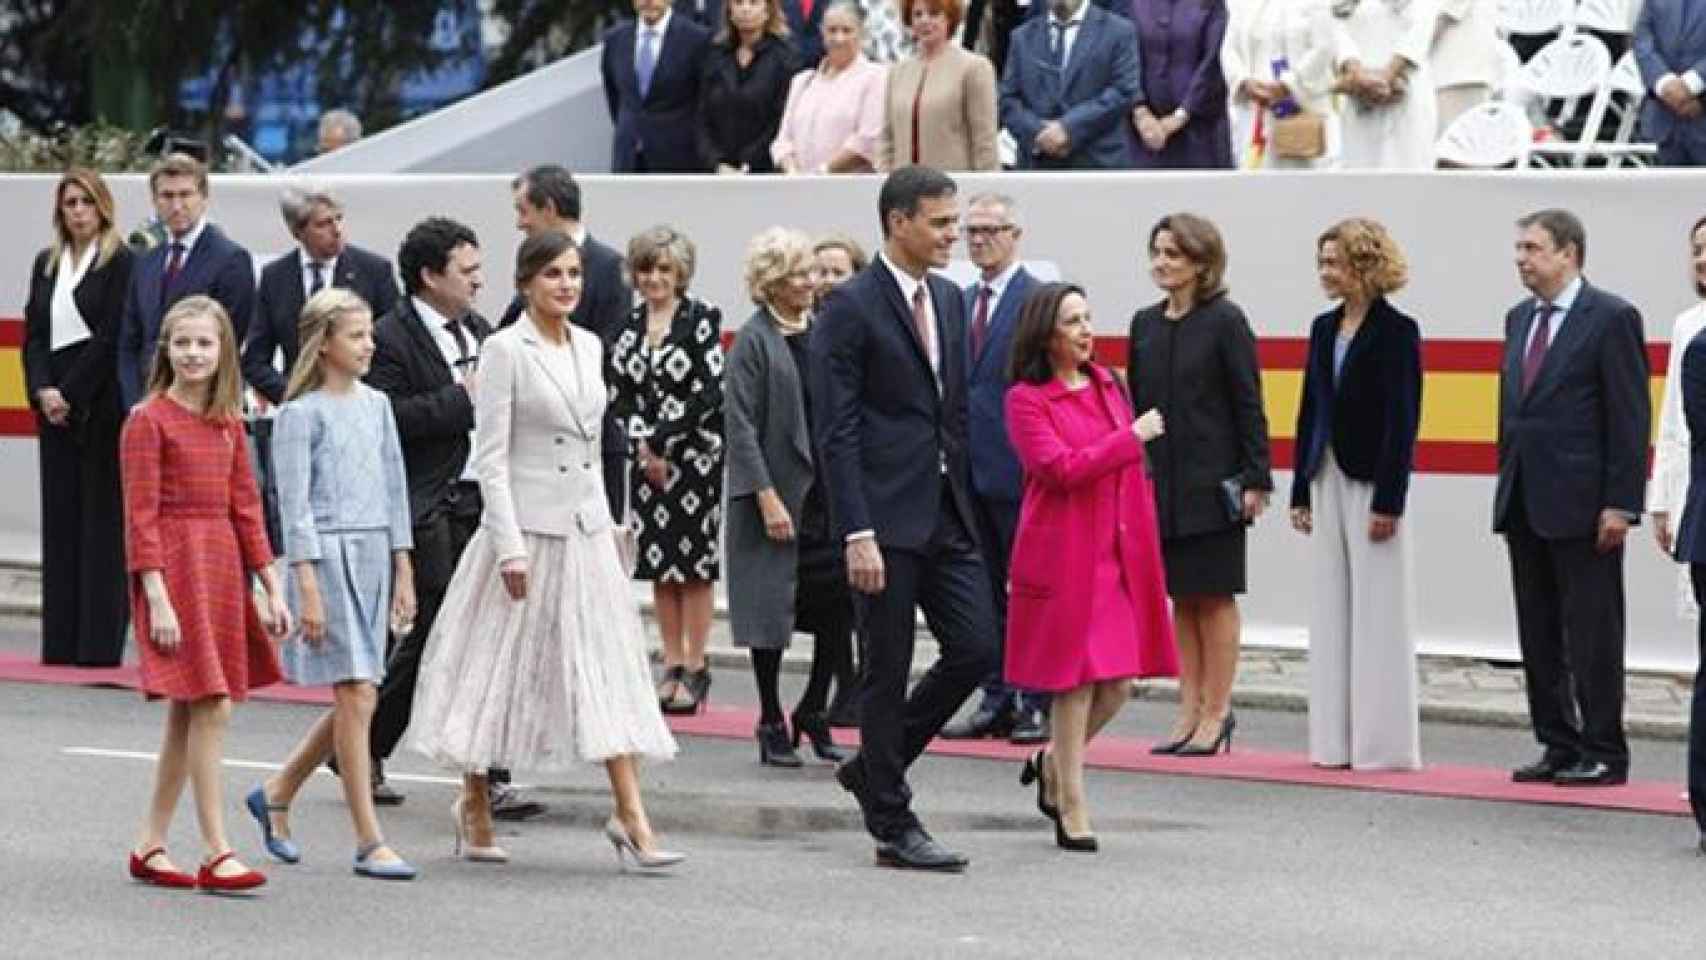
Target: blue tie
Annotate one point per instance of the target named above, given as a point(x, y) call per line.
point(647, 61)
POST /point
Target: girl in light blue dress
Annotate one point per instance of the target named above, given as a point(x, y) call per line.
point(344, 505)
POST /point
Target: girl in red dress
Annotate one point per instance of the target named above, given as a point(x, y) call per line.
point(194, 537)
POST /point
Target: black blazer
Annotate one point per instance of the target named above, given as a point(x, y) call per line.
point(93, 380)
point(433, 413)
point(1371, 415)
point(884, 426)
point(740, 110)
point(655, 133)
point(216, 266)
point(1203, 375)
point(1577, 443)
point(278, 308)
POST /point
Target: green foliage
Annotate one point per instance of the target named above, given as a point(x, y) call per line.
point(102, 147)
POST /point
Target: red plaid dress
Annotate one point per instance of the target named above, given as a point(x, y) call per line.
point(193, 512)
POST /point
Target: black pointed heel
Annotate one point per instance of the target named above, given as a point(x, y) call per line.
point(814, 726)
point(1066, 841)
point(1034, 772)
point(773, 747)
point(1221, 742)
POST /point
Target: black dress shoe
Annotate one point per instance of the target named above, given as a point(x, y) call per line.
point(988, 720)
point(508, 804)
point(1540, 771)
point(1066, 841)
point(913, 849)
point(1590, 773)
point(1029, 727)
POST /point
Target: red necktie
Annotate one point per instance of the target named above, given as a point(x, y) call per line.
point(1536, 354)
point(174, 264)
point(921, 324)
point(980, 321)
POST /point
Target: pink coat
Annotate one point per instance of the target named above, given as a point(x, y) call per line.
point(1077, 488)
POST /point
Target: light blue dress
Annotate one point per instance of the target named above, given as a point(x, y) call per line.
point(344, 504)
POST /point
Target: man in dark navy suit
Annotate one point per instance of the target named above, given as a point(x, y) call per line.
point(1574, 418)
point(1691, 549)
point(888, 355)
point(997, 481)
point(548, 198)
point(322, 258)
point(1069, 87)
point(196, 257)
point(651, 67)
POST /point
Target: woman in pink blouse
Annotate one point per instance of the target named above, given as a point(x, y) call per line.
point(835, 110)
point(1087, 608)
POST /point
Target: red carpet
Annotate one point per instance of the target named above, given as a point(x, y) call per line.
point(1111, 753)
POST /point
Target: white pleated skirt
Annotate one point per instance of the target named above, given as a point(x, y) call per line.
point(543, 683)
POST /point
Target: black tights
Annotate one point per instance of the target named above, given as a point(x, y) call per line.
point(832, 654)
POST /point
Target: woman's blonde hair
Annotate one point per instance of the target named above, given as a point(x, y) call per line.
point(771, 257)
point(107, 239)
point(225, 395)
point(319, 322)
point(1370, 252)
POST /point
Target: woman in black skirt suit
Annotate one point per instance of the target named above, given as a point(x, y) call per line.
point(666, 391)
point(77, 291)
point(1193, 357)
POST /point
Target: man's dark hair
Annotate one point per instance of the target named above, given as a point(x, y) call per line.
point(428, 246)
point(551, 185)
point(905, 187)
point(1565, 229)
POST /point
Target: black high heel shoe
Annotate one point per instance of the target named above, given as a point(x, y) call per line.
point(1169, 747)
point(676, 675)
point(1221, 741)
point(696, 684)
point(1066, 841)
point(814, 726)
point(1034, 771)
point(773, 747)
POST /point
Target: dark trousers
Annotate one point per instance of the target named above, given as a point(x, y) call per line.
point(1697, 711)
point(1570, 625)
point(615, 482)
point(947, 581)
point(85, 606)
point(1683, 148)
point(997, 525)
point(439, 543)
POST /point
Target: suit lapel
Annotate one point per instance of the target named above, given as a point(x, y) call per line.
point(569, 394)
point(414, 327)
point(1087, 31)
point(1513, 356)
point(1578, 327)
point(901, 312)
point(200, 258)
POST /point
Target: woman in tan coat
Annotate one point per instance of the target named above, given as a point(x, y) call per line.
point(939, 108)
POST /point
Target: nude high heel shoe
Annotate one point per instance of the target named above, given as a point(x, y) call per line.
point(470, 851)
point(625, 848)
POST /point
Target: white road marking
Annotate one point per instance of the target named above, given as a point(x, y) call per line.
point(247, 764)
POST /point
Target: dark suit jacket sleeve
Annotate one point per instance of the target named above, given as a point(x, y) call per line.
point(234, 288)
point(1306, 414)
point(1016, 114)
point(1628, 410)
point(839, 359)
point(615, 299)
point(381, 284)
point(1090, 120)
point(445, 412)
point(1243, 374)
point(38, 323)
point(1206, 96)
point(96, 365)
point(1694, 389)
point(612, 96)
point(258, 349)
point(130, 341)
point(1402, 371)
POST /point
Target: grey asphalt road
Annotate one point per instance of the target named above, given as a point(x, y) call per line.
point(1190, 867)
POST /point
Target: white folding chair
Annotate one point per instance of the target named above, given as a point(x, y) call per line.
point(1533, 17)
point(1606, 16)
point(1487, 136)
point(1564, 72)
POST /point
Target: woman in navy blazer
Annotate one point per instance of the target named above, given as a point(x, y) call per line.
point(1356, 436)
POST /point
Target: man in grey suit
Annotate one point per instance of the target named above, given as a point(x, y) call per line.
point(997, 481)
point(1670, 49)
point(1069, 82)
point(1574, 418)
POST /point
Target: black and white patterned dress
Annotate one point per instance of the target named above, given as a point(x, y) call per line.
point(672, 397)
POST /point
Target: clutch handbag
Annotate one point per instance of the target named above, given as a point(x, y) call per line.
point(1301, 136)
point(1232, 500)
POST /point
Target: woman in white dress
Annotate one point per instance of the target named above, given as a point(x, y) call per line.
point(1668, 490)
point(1297, 35)
point(537, 659)
point(1380, 58)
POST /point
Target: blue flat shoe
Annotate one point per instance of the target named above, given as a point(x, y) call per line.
point(398, 869)
point(283, 849)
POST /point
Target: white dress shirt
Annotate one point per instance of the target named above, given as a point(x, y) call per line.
point(434, 322)
point(67, 324)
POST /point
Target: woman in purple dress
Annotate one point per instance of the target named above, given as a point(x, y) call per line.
point(1181, 121)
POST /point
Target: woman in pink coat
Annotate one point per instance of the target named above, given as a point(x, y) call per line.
point(1087, 608)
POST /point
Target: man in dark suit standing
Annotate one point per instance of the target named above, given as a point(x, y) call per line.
point(1574, 418)
point(1691, 549)
point(651, 67)
point(1068, 87)
point(195, 258)
point(548, 198)
point(997, 481)
point(1670, 50)
point(322, 258)
point(889, 360)
point(424, 360)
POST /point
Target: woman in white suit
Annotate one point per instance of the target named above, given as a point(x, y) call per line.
point(1277, 50)
point(1383, 66)
point(537, 659)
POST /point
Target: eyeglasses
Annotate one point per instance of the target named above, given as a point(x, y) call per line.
point(981, 230)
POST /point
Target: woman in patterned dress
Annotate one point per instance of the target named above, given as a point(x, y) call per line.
point(344, 503)
point(194, 537)
point(666, 383)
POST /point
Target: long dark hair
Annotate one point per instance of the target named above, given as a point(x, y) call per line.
point(1029, 360)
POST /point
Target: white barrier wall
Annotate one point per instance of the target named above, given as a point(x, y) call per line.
point(1456, 229)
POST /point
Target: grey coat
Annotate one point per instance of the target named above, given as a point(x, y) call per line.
point(769, 445)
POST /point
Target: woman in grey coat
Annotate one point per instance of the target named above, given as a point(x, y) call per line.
point(784, 570)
